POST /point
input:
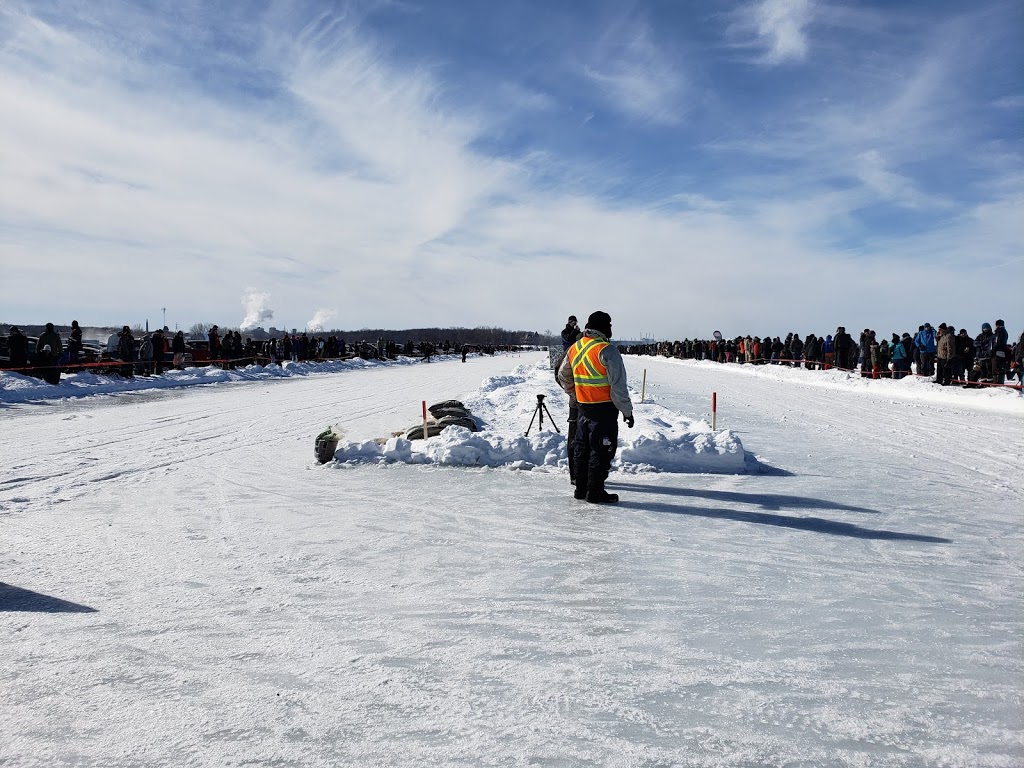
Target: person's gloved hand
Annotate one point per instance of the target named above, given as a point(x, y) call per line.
point(628, 420)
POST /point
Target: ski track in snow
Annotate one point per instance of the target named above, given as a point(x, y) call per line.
point(183, 585)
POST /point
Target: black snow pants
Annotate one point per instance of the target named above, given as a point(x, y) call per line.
point(597, 437)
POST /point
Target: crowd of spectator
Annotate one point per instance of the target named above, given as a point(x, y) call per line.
point(153, 352)
point(945, 353)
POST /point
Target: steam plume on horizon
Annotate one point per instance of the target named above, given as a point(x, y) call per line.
point(256, 309)
point(319, 319)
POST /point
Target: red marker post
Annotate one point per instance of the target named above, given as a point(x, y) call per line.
point(424, 419)
point(714, 409)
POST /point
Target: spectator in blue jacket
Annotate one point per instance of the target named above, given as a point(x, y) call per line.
point(925, 343)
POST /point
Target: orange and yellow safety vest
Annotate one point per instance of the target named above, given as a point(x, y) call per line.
point(588, 372)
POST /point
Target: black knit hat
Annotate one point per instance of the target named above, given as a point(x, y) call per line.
point(600, 322)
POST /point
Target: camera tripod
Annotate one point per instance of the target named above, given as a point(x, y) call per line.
point(540, 410)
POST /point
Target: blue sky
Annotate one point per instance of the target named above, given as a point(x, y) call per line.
point(760, 167)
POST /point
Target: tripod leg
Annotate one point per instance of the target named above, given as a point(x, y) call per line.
point(535, 411)
point(553, 422)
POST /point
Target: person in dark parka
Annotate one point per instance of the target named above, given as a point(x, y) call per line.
point(74, 343)
point(571, 333)
point(17, 347)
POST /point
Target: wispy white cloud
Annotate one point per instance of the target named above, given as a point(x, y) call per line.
point(900, 115)
point(521, 98)
point(371, 171)
point(871, 168)
point(777, 28)
point(638, 77)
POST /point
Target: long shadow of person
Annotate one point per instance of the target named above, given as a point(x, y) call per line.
point(773, 501)
point(14, 599)
point(811, 524)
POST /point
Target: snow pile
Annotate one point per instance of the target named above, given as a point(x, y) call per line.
point(674, 446)
point(16, 388)
point(506, 406)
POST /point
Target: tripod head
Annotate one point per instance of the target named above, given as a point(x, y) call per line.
point(540, 399)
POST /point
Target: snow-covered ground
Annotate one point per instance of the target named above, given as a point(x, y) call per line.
point(182, 584)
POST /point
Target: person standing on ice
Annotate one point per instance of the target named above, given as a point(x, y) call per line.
point(17, 348)
point(945, 354)
point(925, 343)
point(52, 338)
point(214, 338)
point(74, 342)
point(598, 376)
point(570, 333)
point(178, 349)
point(1000, 353)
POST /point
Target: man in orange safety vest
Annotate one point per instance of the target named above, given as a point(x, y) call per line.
point(594, 373)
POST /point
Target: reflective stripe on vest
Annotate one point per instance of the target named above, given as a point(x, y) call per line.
point(588, 372)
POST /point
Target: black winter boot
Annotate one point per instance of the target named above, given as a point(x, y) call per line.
point(602, 497)
point(582, 477)
point(580, 491)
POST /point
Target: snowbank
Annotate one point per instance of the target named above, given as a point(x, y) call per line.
point(917, 388)
point(504, 406)
point(16, 388)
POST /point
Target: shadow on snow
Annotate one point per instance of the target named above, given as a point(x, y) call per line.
point(813, 524)
point(18, 599)
point(772, 501)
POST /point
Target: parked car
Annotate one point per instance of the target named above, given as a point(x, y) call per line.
point(200, 350)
